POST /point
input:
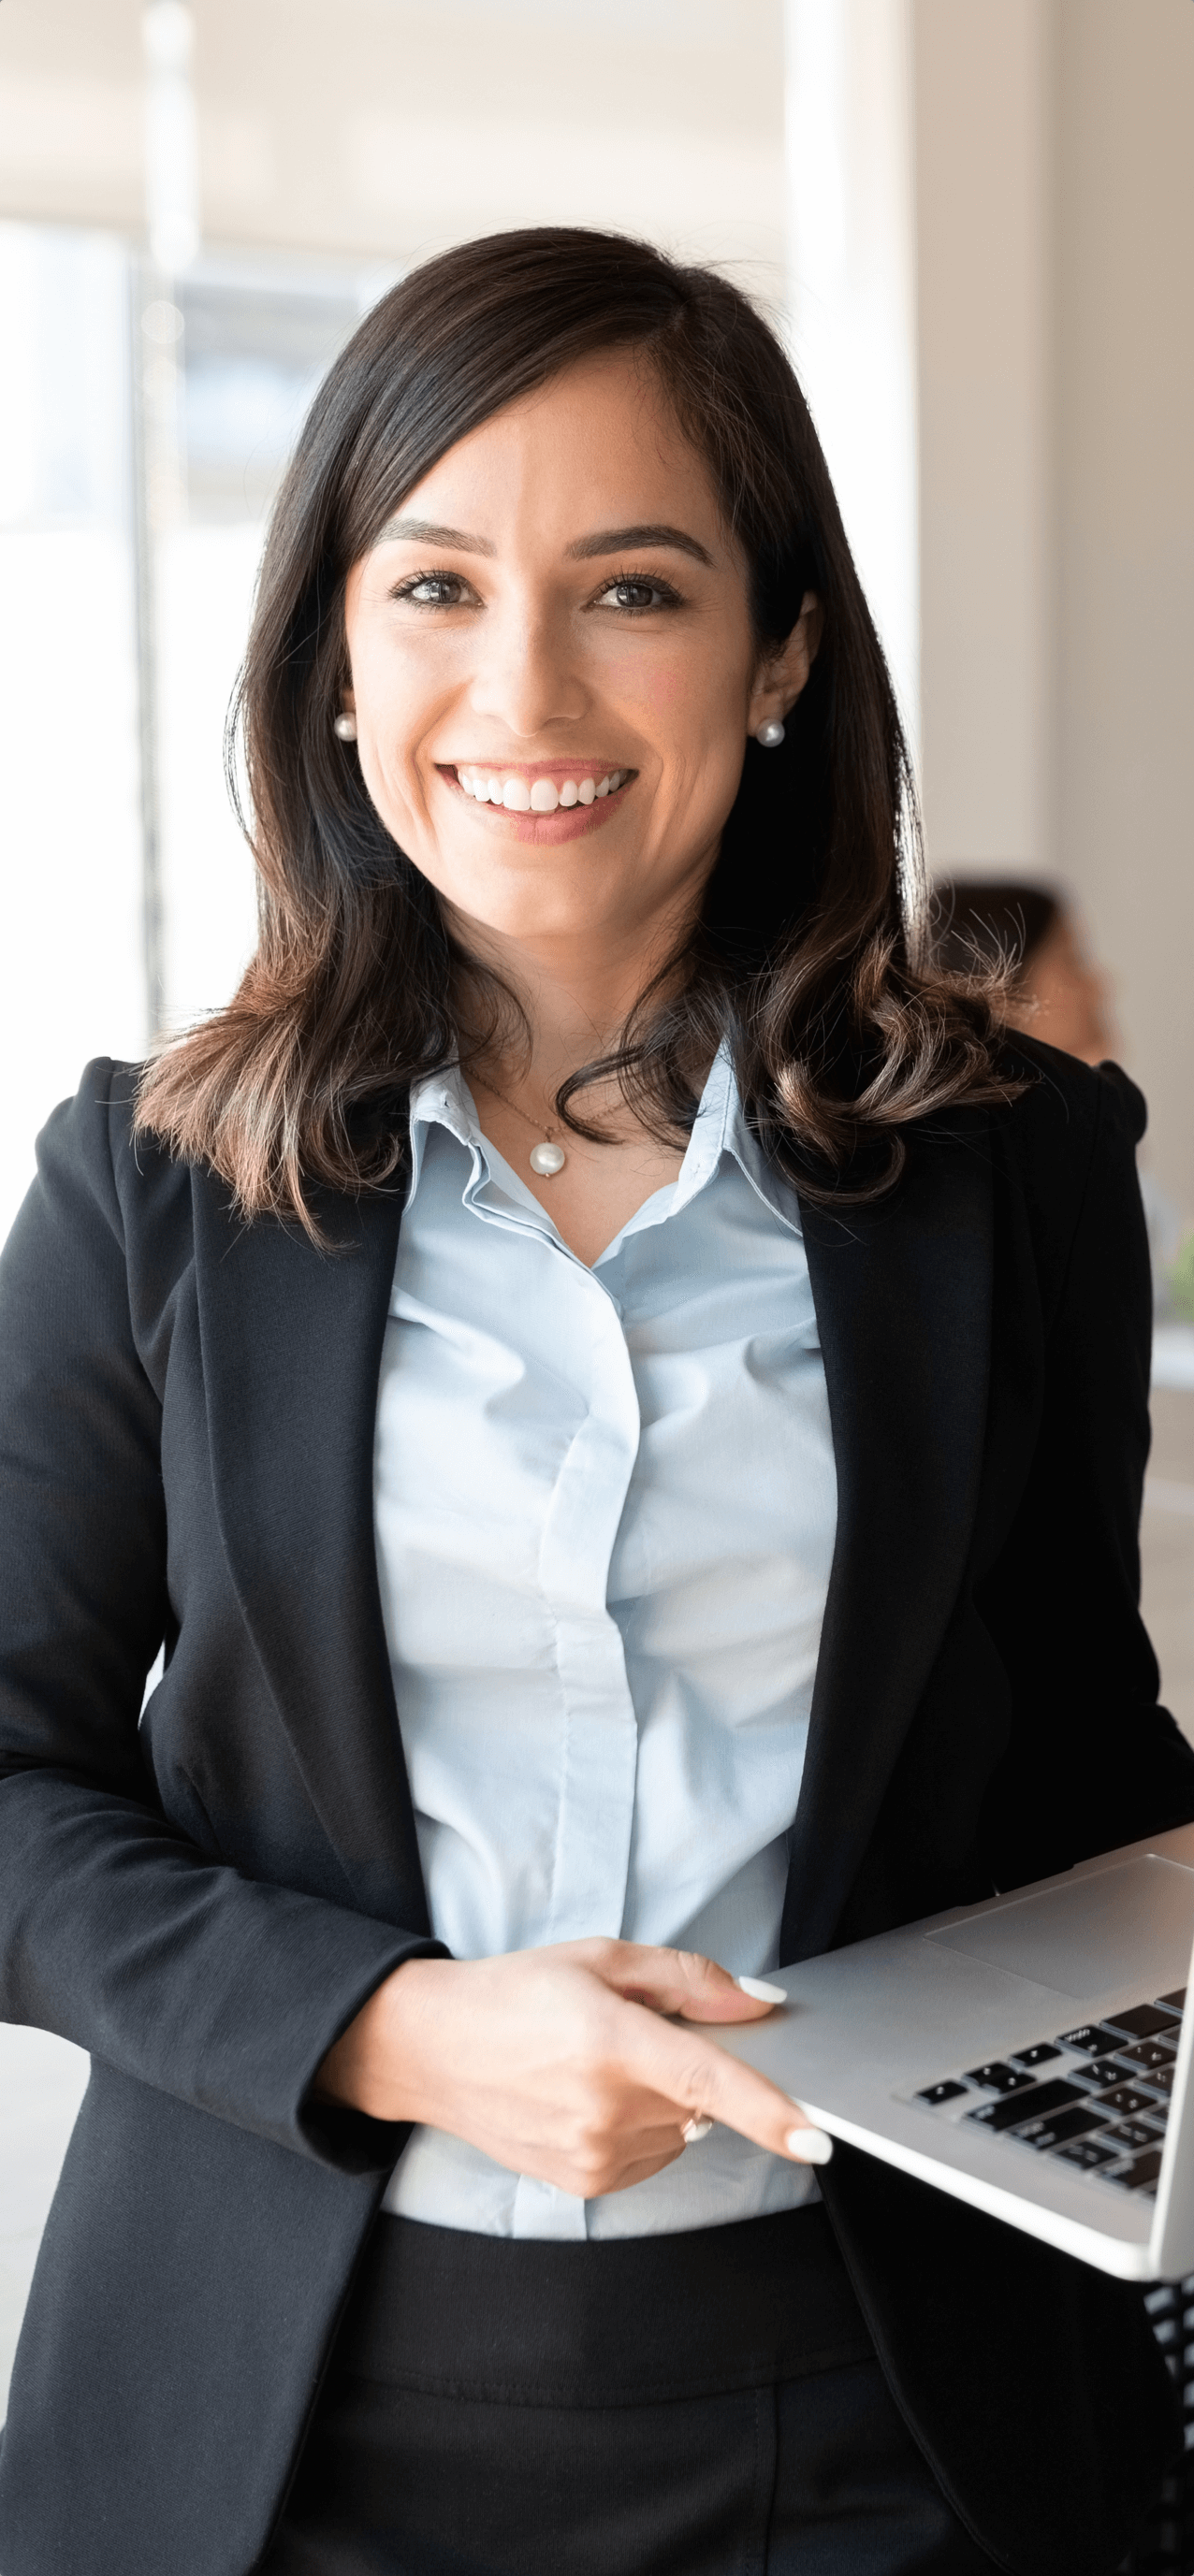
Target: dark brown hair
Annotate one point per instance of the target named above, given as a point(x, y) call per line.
point(810, 952)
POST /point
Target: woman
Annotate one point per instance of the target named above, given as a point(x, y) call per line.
point(1056, 992)
point(625, 1404)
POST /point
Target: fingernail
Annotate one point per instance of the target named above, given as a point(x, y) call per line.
point(761, 1992)
point(811, 2146)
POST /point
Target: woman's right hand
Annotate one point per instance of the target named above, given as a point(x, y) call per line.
point(578, 2064)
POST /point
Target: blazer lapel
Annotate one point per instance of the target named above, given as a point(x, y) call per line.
point(291, 1341)
point(902, 1290)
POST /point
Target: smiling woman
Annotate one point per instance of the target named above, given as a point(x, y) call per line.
point(559, 511)
point(618, 1388)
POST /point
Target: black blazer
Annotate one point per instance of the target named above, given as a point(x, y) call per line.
point(186, 1440)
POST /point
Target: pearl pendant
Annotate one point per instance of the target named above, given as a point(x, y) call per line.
point(546, 1159)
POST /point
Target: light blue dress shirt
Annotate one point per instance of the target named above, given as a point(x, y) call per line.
point(605, 1512)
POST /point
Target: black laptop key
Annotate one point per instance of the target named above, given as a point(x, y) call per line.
point(1140, 2173)
point(1038, 2056)
point(998, 2078)
point(1131, 2133)
point(1124, 2099)
point(1064, 2125)
point(1102, 2070)
point(1090, 2036)
point(1037, 2104)
point(1159, 2079)
point(1176, 2002)
point(944, 2092)
point(1143, 2021)
point(1148, 2052)
point(1087, 2153)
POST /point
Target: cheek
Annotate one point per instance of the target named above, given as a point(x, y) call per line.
point(659, 688)
point(698, 696)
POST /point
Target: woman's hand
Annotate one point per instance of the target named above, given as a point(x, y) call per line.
point(561, 2063)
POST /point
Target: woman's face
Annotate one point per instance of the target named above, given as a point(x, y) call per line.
point(1064, 999)
point(558, 619)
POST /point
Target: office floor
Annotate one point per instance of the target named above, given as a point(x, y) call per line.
point(42, 2079)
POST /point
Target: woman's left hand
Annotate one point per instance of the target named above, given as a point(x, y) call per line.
point(577, 2064)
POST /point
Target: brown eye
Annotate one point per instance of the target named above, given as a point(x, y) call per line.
point(434, 590)
point(633, 592)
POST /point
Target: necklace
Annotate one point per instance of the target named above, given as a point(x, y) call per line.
point(545, 1159)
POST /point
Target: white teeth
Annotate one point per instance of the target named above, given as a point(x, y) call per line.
point(538, 796)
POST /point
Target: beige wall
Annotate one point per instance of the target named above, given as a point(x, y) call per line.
point(983, 227)
point(1125, 520)
point(1055, 185)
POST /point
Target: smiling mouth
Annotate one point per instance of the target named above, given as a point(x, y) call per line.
point(523, 794)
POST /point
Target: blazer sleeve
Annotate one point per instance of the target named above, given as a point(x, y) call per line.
point(115, 1930)
point(1093, 1760)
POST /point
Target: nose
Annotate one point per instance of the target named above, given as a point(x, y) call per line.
point(526, 680)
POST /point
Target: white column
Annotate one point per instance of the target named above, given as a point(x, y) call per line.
point(852, 268)
point(171, 135)
point(160, 502)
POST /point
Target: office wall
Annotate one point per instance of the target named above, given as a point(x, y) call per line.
point(983, 178)
point(1125, 526)
point(1055, 206)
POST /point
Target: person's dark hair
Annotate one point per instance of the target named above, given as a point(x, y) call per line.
point(985, 922)
point(810, 953)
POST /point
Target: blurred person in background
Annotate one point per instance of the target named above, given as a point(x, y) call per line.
point(1057, 993)
point(548, 1362)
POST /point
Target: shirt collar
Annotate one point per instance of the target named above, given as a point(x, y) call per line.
point(442, 1099)
point(721, 1128)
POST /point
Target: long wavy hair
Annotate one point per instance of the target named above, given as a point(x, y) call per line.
point(811, 953)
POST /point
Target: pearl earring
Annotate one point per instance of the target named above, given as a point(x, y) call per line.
point(346, 727)
point(770, 734)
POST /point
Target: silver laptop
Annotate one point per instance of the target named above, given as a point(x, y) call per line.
point(1031, 2055)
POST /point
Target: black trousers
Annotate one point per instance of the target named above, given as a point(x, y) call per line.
point(700, 2405)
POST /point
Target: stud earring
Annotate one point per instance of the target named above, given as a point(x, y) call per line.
point(770, 734)
point(346, 727)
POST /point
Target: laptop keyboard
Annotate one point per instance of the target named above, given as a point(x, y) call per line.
point(1097, 2096)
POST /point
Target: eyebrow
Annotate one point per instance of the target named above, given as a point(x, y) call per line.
point(614, 541)
point(604, 541)
point(428, 532)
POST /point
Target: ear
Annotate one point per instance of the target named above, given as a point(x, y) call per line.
point(781, 676)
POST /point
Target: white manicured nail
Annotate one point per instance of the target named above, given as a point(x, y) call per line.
point(810, 2146)
point(761, 1991)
